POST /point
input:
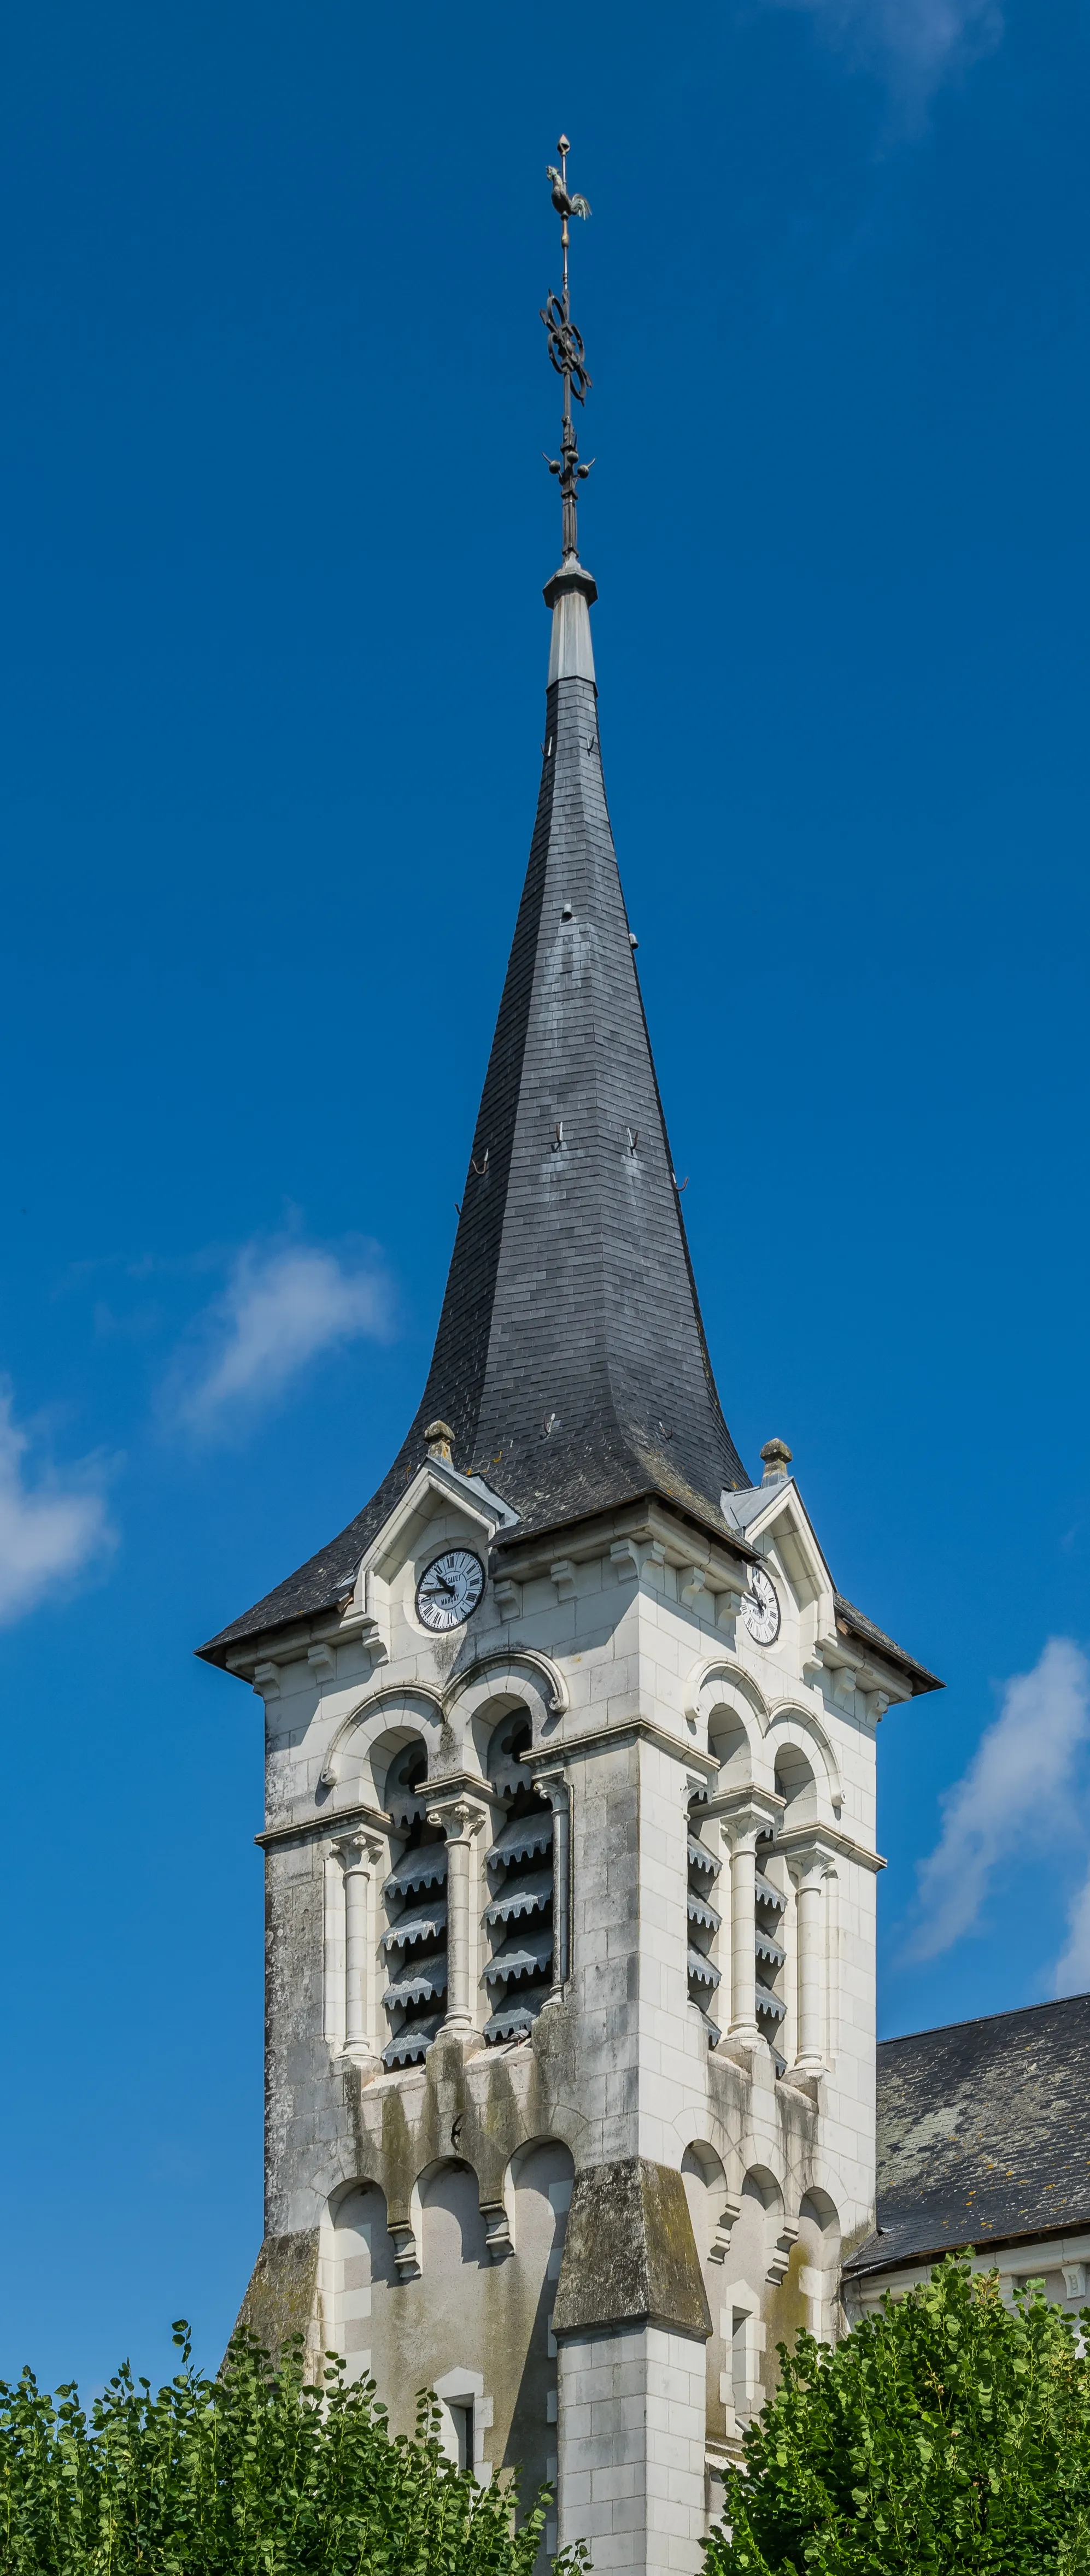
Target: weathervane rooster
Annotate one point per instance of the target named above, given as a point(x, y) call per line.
point(567, 354)
point(564, 204)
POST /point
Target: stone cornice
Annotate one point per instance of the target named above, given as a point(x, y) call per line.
point(798, 1837)
point(443, 1791)
point(336, 1820)
point(687, 1542)
point(552, 1757)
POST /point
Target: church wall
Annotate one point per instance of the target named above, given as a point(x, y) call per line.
point(491, 2323)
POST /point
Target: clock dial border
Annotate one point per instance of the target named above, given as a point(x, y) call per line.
point(752, 1595)
point(446, 1627)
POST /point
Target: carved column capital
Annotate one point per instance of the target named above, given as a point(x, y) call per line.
point(459, 1819)
point(359, 1850)
point(747, 1816)
point(810, 1862)
point(554, 1786)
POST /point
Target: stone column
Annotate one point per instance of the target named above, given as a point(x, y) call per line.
point(461, 1824)
point(554, 1787)
point(742, 1843)
point(361, 1853)
point(333, 1949)
point(744, 1820)
point(809, 1866)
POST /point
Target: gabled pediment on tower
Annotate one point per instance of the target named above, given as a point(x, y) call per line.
point(846, 1652)
point(438, 1490)
point(440, 1508)
point(775, 1515)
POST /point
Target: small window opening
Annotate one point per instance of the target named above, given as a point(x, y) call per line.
point(744, 2365)
point(462, 2419)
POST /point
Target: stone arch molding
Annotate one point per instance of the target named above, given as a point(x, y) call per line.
point(420, 1712)
point(342, 2191)
point(522, 1675)
point(700, 2130)
point(719, 1685)
point(794, 1726)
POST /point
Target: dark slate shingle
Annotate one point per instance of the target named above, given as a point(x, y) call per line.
point(983, 2133)
point(855, 1623)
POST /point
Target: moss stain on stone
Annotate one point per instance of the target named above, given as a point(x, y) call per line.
point(281, 2297)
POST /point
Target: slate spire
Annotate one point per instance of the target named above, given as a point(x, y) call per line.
point(570, 1360)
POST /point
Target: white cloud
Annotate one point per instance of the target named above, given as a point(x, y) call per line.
point(1014, 1797)
point(284, 1303)
point(916, 43)
point(48, 1532)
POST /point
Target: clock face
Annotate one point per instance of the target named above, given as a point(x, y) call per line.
point(761, 1608)
point(449, 1589)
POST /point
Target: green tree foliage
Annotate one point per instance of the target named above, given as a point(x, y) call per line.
point(254, 2473)
point(944, 2436)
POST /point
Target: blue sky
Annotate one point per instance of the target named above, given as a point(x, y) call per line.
point(274, 530)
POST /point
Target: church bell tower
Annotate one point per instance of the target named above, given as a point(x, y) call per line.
point(570, 1820)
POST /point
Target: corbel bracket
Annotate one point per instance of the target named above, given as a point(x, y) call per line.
point(406, 2256)
point(633, 1556)
point(782, 2255)
point(497, 2229)
point(729, 2214)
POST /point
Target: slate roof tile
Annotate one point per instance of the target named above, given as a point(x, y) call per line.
point(983, 2134)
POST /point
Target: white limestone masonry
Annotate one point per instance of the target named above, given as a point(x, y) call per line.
point(644, 1719)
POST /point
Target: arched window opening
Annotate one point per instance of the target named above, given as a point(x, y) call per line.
point(356, 2272)
point(796, 1785)
point(704, 1918)
point(414, 1944)
point(729, 1743)
point(452, 2230)
point(819, 2273)
point(520, 1870)
point(770, 1909)
point(538, 2195)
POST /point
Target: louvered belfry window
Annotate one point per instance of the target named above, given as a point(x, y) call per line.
point(704, 1920)
point(414, 1943)
point(770, 1909)
point(519, 1914)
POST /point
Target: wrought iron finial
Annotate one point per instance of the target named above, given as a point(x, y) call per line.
point(567, 354)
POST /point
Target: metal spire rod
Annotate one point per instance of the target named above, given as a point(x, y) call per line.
point(568, 357)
